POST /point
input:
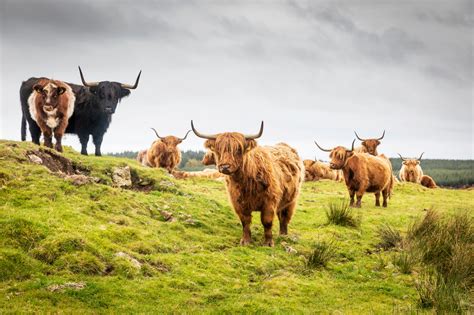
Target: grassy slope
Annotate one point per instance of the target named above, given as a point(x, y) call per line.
point(52, 232)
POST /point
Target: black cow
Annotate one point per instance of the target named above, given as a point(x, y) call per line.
point(95, 104)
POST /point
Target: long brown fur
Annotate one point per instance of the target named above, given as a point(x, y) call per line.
point(52, 101)
point(428, 182)
point(165, 153)
point(142, 157)
point(316, 170)
point(364, 173)
point(411, 171)
point(368, 146)
point(265, 179)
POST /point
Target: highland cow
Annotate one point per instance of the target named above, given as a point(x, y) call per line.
point(369, 145)
point(265, 179)
point(363, 173)
point(142, 158)
point(428, 182)
point(316, 170)
point(51, 103)
point(411, 170)
point(164, 152)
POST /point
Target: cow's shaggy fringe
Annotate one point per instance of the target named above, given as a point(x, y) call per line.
point(339, 213)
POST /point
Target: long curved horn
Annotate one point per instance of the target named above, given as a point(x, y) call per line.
point(88, 84)
point(352, 148)
point(132, 87)
point(156, 133)
point(419, 159)
point(359, 137)
point(201, 135)
point(325, 150)
point(383, 134)
point(403, 159)
point(256, 136)
point(185, 135)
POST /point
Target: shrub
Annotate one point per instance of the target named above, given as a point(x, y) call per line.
point(341, 214)
point(389, 236)
point(322, 253)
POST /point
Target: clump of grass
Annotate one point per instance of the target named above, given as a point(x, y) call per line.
point(322, 253)
point(339, 213)
point(52, 248)
point(21, 233)
point(445, 247)
point(390, 237)
point(81, 263)
point(404, 261)
point(16, 265)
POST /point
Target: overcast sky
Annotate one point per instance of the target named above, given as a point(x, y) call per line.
point(309, 69)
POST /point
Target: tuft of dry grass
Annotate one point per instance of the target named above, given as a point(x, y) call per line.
point(322, 253)
point(390, 237)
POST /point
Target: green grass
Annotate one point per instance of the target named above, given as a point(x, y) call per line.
point(53, 232)
point(339, 213)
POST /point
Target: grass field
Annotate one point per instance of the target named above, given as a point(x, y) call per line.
point(96, 248)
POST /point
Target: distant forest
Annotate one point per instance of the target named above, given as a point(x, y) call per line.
point(448, 173)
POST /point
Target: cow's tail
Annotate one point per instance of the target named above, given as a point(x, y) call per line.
point(23, 127)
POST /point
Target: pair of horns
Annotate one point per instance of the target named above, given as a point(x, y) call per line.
point(369, 139)
point(214, 136)
point(163, 137)
point(125, 86)
point(405, 159)
point(326, 150)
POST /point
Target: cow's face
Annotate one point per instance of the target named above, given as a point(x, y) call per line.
point(171, 141)
point(339, 156)
point(208, 159)
point(109, 95)
point(412, 167)
point(371, 145)
point(229, 150)
point(49, 94)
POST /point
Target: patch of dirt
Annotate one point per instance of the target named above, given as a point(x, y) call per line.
point(55, 162)
point(141, 184)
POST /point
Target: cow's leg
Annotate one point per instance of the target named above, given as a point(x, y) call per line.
point(246, 220)
point(97, 139)
point(48, 137)
point(377, 199)
point(359, 195)
point(58, 135)
point(267, 221)
point(84, 139)
point(385, 197)
point(285, 216)
point(35, 132)
point(351, 194)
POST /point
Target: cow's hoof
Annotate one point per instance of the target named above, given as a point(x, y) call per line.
point(245, 242)
point(268, 243)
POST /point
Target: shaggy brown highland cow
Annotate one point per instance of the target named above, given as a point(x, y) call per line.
point(411, 170)
point(316, 170)
point(369, 145)
point(164, 152)
point(51, 103)
point(363, 173)
point(428, 182)
point(265, 179)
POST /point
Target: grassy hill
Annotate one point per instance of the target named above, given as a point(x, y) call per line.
point(78, 244)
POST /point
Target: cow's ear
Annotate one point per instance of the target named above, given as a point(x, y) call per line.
point(124, 92)
point(210, 144)
point(250, 144)
point(417, 162)
point(38, 88)
point(349, 153)
point(363, 143)
point(378, 142)
point(61, 90)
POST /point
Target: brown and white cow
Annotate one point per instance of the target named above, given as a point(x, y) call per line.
point(369, 145)
point(51, 103)
point(316, 170)
point(264, 179)
point(411, 170)
point(362, 173)
point(164, 152)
